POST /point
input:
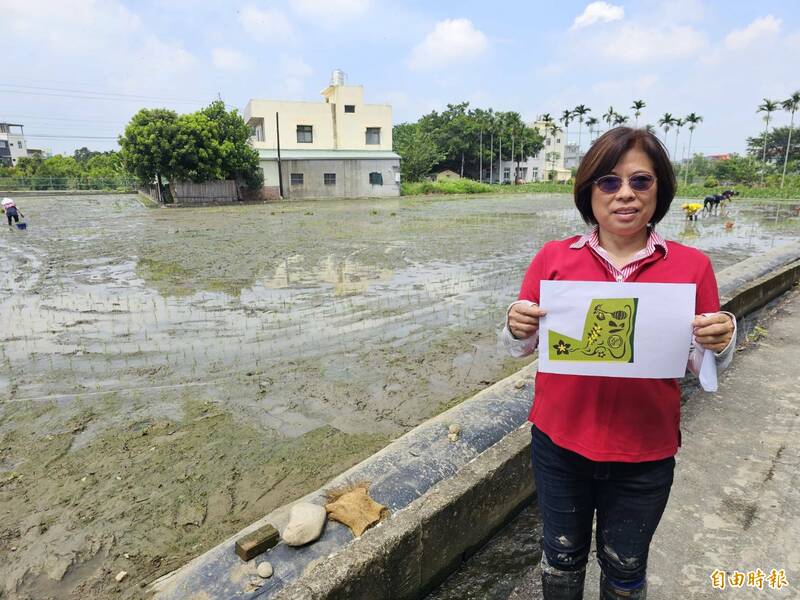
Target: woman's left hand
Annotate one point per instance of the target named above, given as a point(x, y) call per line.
point(713, 332)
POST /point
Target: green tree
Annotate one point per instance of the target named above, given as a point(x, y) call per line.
point(767, 107)
point(417, 149)
point(239, 160)
point(772, 147)
point(791, 104)
point(149, 144)
point(580, 111)
point(666, 122)
point(591, 123)
point(637, 107)
point(106, 165)
point(608, 116)
point(693, 120)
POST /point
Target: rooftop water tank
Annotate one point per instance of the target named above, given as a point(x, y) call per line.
point(337, 77)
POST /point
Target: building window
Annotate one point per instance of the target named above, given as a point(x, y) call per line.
point(350, 108)
point(547, 142)
point(506, 174)
point(304, 134)
point(19, 144)
point(373, 135)
point(330, 178)
point(558, 141)
point(297, 179)
point(376, 178)
point(3, 144)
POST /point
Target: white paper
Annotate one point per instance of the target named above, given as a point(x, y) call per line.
point(660, 338)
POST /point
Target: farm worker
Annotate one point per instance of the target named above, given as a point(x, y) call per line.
point(11, 211)
point(606, 445)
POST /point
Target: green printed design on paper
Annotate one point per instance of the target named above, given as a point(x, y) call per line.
point(607, 334)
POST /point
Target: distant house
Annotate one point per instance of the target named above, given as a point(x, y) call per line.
point(725, 156)
point(341, 147)
point(12, 144)
point(546, 164)
point(446, 175)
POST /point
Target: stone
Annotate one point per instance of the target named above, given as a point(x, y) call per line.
point(453, 437)
point(305, 525)
point(454, 428)
point(265, 570)
point(519, 384)
point(121, 575)
point(356, 510)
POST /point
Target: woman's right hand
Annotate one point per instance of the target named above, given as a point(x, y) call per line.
point(523, 319)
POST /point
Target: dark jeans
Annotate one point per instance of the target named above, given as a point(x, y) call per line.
point(11, 213)
point(629, 499)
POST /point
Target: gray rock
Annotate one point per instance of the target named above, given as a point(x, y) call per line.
point(305, 525)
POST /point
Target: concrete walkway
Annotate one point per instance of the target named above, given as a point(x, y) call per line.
point(735, 503)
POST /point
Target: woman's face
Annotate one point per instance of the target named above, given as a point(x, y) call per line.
point(626, 212)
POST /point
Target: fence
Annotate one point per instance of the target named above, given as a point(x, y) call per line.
point(67, 183)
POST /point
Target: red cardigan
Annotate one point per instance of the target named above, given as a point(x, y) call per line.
point(613, 418)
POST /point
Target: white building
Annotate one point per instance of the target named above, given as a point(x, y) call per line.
point(340, 147)
point(549, 160)
point(12, 144)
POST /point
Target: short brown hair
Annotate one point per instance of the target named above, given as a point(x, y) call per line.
point(605, 154)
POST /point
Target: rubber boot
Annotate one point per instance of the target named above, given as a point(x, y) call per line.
point(609, 591)
point(561, 585)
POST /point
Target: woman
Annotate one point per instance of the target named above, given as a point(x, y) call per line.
point(607, 444)
point(11, 211)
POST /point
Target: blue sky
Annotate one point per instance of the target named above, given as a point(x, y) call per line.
point(78, 69)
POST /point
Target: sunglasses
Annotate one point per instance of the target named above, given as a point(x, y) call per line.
point(611, 184)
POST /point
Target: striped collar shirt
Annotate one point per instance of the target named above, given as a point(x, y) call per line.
point(593, 240)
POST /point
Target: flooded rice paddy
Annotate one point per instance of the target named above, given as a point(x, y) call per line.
point(167, 376)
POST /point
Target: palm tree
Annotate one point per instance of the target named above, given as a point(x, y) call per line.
point(792, 103)
point(553, 129)
point(620, 119)
point(678, 124)
point(692, 119)
point(637, 107)
point(768, 107)
point(547, 120)
point(666, 122)
point(590, 123)
point(566, 119)
point(580, 111)
point(609, 115)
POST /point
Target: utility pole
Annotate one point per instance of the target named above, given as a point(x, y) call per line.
point(491, 161)
point(480, 159)
point(280, 174)
point(512, 159)
point(500, 162)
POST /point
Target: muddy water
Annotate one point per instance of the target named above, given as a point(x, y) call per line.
point(167, 376)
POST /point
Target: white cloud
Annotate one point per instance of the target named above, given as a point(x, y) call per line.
point(229, 60)
point(762, 27)
point(451, 41)
point(598, 12)
point(293, 73)
point(637, 44)
point(328, 12)
point(265, 24)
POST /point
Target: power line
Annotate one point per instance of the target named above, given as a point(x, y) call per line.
point(37, 118)
point(112, 94)
point(71, 137)
point(88, 97)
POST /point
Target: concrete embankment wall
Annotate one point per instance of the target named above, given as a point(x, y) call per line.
point(446, 498)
